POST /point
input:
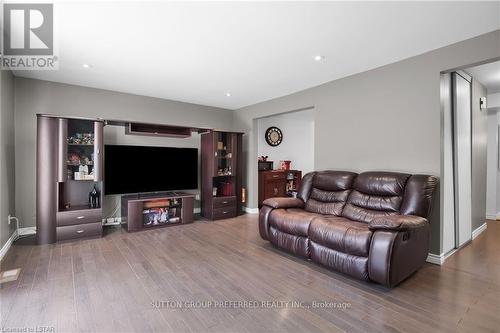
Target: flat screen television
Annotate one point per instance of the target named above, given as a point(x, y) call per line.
point(139, 169)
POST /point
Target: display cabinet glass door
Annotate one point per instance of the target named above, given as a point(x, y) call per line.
point(224, 161)
point(79, 150)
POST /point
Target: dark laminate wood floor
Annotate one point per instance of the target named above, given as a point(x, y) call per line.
point(109, 284)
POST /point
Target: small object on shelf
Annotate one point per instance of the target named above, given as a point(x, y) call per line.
point(74, 158)
point(81, 139)
point(83, 169)
point(225, 189)
point(67, 205)
point(94, 198)
point(285, 165)
point(263, 158)
point(220, 145)
point(214, 191)
point(266, 165)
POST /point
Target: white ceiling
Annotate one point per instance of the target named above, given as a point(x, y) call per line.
point(198, 51)
point(488, 75)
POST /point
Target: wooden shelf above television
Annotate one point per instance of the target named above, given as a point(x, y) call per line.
point(158, 130)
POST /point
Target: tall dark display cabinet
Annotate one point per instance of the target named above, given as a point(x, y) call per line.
point(221, 188)
point(69, 178)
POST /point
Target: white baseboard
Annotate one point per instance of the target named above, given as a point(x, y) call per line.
point(249, 210)
point(8, 244)
point(439, 259)
point(15, 236)
point(26, 231)
point(479, 230)
point(491, 216)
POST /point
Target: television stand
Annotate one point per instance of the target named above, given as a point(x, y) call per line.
point(156, 210)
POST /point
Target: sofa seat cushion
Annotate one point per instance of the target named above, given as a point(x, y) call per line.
point(294, 221)
point(298, 245)
point(342, 235)
point(342, 262)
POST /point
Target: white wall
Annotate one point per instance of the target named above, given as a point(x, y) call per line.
point(298, 139)
point(493, 100)
point(492, 172)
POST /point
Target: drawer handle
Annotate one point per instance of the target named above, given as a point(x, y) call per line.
point(79, 231)
point(224, 212)
point(80, 217)
point(224, 202)
point(275, 176)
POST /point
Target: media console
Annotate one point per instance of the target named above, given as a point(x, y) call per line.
point(154, 210)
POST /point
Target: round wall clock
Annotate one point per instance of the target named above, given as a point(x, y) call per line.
point(274, 136)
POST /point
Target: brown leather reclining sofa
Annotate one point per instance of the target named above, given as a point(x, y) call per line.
point(372, 226)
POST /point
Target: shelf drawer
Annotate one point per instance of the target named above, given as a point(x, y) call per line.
point(79, 231)
point(224, 202)
point(224, 213)
point(76, 217)
point(275, 175)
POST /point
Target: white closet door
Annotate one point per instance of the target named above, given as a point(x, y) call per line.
point(447, 177)
point(462, 157)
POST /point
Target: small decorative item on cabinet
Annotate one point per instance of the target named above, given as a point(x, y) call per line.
point(285, 165)
point(94, 198)
point(266, 165)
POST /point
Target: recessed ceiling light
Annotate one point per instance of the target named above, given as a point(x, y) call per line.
point(228, 94)
point(319, 57)
point(86, 66)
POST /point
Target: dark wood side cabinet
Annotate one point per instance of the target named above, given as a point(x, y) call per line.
point(278, 183)
point(69, 166)
point(221, 170)
point(153, 210)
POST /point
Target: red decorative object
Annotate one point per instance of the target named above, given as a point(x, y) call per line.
point(285, 165)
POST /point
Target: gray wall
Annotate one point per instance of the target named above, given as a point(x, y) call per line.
point(7, 164)
point(479, 155)
point(35, 96)
point(383, 119)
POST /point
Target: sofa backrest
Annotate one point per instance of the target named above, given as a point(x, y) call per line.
point(327, 191)
point(367, 195)
point(375, 194)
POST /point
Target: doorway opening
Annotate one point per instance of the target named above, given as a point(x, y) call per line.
point(471, 167)
point(285, 150)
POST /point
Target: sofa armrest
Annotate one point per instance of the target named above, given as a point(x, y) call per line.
point(398, 223)
point(283, 203)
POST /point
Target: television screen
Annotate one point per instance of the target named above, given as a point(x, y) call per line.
point(137, 169)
